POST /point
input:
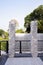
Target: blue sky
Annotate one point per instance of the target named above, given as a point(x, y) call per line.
point(16, 9)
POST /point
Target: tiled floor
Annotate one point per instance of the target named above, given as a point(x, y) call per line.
point(24, 61)
point(4, 58)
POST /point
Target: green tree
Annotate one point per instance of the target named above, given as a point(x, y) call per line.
point(1, 32)
point(40, 26)
point(19, 31)
point(37, 14)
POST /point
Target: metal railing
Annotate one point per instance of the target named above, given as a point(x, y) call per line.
point(19, 46)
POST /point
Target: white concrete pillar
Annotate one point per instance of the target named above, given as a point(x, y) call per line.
point(11, 38)
point(34, 42)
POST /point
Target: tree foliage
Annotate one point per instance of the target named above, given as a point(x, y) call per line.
point(19, 31)
point(1, 32)
point(37, 14)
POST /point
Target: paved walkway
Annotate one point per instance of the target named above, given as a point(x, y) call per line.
point(24, 61)
point(4, 58)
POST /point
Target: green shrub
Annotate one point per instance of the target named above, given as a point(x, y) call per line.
point(3, 46)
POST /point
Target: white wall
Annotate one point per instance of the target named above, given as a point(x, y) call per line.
point(25, 36)
point(22, 36)
point(27, 45)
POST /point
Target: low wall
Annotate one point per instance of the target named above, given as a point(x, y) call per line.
point(26, 46)
point(27, 36)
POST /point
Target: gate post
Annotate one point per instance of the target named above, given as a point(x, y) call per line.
point(34, 41)
point(12, 38)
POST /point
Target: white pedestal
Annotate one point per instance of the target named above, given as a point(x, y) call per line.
point(24, 61)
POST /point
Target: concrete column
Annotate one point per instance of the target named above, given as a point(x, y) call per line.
point(11, 38)
point(34, 41)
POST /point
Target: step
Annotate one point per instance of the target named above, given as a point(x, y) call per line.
point(24, 61)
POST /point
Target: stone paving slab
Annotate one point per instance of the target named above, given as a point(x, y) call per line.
point(24, 61)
